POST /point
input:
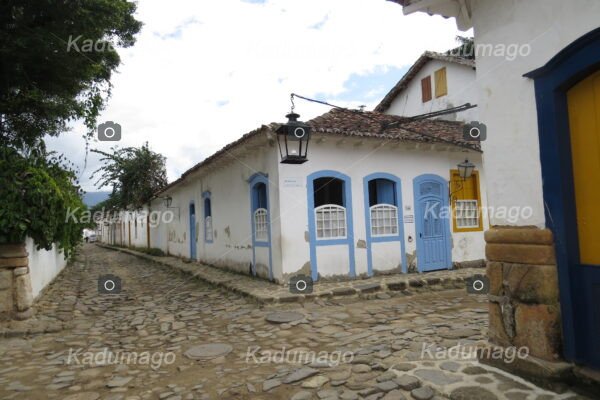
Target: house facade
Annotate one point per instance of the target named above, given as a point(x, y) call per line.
point(435, 82)
point(373, 198)
point(542, 111)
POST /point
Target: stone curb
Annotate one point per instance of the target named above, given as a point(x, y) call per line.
point(402, 285)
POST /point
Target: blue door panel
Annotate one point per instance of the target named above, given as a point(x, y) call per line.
point(192, 231)
point(433, 228)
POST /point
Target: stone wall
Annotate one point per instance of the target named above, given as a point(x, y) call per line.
point(15, 283)
point(524, 307)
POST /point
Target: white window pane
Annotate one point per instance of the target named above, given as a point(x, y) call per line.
point(466, 213)
point(384, 220)
point(332, 219)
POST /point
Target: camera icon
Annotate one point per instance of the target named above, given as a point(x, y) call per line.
point(109, 132)
point(474, 132)
point(109, 284)
point(301, 284)
point(478, 284)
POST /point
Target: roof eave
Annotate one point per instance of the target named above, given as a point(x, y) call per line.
point(458, 9)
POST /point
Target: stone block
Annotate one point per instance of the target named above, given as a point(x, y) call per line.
point(496, 330)
point(494, 274)
point(11, 262)
point(396, 285)
point(5, 279)
point(538, 328)
point(524, 235)
point(6, 302)
point(521, 253)
point(23, 292)
point(13, 250)
point(20, 271)
point(532, 283)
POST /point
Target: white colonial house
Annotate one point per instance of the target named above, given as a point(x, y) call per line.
point(435, 82)
point(373, 198)
point(538, 88)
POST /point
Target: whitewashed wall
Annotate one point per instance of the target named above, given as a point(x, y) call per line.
point(231, 214)
point(230, 194)
point(506, 99)
point(461, 89)
point(44, 266)
point(358, 161)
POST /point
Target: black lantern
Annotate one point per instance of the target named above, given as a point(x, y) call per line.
point(465, 169)
point(292, 138)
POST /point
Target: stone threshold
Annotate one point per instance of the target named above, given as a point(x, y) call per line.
point(376, 287)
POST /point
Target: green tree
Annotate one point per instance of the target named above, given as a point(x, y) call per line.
point(56, 61)
point(466, 49)
point(135, 174)
point(40, 199)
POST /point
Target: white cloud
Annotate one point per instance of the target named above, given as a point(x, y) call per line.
point(202, 73)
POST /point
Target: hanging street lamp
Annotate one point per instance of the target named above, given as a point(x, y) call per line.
point(465, 169)
point(293, 138)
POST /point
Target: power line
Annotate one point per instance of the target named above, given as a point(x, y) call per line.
point(399, 123)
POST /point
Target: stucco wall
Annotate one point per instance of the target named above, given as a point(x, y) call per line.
point(44, 266)
point(461, 89)
point(357, 161)
point(231, 214)
point(230, 195)
point(506, 99)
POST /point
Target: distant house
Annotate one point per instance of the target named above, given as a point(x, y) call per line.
point(435, 82)
point(371, 199)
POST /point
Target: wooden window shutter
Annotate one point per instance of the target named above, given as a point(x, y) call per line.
point(441, 85)
point(426, 89)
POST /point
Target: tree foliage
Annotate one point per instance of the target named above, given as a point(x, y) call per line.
point(466, 49)
point(135, 173)
point(45, 80)
point(40, 199)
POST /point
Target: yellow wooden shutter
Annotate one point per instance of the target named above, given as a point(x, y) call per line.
point(441, 86)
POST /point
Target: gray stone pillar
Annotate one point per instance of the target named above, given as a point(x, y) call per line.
point(15, 283)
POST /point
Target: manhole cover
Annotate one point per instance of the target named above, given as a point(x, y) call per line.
point(282, 317)
point(208, 351)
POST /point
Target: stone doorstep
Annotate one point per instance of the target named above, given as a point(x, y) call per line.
point(268, 292)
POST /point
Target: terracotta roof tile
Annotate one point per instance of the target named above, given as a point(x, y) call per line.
point(378, 125)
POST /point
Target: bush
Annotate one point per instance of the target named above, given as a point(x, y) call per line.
point(39, 200)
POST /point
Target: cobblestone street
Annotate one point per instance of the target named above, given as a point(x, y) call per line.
point(390, 343)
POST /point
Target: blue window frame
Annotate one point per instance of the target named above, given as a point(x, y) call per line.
point(382, 199)
point(323, 190)
point(260, 217)
point(208, 221)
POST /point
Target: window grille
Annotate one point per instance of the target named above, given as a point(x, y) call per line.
point(261, 232)
point(466, 214)
point(330, 221)
point(384, 220)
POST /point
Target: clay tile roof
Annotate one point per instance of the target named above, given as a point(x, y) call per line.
point(414, 70)
point(377, 125)
point(359, 124)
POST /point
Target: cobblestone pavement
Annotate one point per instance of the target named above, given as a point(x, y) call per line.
point(198, 342)
point(268, 292)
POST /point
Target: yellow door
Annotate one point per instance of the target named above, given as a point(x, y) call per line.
point(584, 123)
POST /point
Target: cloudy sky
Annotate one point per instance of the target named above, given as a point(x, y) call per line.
point(202, 73)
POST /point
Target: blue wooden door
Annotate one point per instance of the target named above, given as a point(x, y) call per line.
point(432, 225)
point(192, 231)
